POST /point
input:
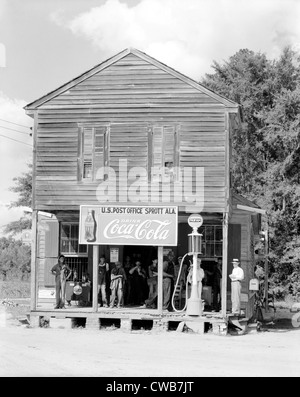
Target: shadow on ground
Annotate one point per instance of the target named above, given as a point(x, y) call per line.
point(283, 320)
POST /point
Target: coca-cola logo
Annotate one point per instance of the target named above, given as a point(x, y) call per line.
point(139, 230)
point(132, 225)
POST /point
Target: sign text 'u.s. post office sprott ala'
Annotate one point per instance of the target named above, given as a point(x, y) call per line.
point(128, 225)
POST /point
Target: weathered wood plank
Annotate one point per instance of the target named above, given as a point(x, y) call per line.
point(129, 92)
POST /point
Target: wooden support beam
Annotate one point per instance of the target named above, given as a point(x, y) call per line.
point(95, 277)
point(251, 209)
point(160, 280)
point(266, 286)
point(34, 286)
point(224, 265)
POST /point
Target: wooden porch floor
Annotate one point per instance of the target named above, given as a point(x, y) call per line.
point(124, 312)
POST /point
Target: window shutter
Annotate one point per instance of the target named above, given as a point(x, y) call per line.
point(99, 149)
point(87, 152)
point(169, 145)
point(157, 147)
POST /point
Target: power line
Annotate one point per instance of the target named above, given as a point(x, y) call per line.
point(4, 136)
point(20, 125)
point(21, 132)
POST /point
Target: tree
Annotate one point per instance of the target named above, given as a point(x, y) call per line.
point(14, 258)
point(246, 79)
point(23, 187)
point(266, 150)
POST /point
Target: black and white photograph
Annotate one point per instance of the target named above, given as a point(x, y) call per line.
point(150, 191)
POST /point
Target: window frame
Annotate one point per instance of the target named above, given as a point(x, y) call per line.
point(213, 241)
point(80, 162)
point(61, 239)
point(176, 152)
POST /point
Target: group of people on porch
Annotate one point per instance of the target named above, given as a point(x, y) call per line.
point(131, 284)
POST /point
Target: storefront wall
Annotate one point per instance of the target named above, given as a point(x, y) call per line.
point(59, 235)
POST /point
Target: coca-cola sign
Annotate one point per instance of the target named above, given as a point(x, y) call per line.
point(128, 225)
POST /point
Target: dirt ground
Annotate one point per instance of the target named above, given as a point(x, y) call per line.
point(49, 352)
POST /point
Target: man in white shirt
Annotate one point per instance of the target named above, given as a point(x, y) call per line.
point(236, 277)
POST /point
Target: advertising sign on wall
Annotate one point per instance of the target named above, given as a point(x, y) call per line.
point(114, 255)
point(128, 225)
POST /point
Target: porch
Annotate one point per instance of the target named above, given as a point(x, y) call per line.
point(128, 319)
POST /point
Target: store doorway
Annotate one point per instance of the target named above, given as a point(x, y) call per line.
point(144, 254)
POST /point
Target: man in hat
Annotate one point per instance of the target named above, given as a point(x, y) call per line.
point(236, 277)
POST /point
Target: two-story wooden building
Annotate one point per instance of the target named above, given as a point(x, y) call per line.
point(138, 112)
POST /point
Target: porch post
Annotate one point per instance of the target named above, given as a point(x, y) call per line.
point(33, 286)
point(160, 259)
point(224, 265)
point(95, 277)
point(266, 286)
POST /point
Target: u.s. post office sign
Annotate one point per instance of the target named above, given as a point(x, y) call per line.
point(128, 225)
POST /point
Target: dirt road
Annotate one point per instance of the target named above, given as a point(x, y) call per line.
point(80, 352)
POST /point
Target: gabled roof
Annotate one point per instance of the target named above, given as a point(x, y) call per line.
point(96, 69)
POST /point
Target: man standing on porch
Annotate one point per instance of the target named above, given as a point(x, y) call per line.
point(103, 268)
point(62, 273)
point(236, 277)
point(118, 279)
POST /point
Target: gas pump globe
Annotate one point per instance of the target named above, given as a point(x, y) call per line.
point(194, 303)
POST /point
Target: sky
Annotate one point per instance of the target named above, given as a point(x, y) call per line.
point(44, 44)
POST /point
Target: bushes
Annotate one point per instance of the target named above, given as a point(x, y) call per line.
point(294, 287)
point(14, 289)
point(15, 258)
point(287, 287)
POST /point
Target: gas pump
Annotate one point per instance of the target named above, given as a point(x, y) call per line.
point(193, 305)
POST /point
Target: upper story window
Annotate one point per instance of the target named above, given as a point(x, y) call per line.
point(93, 153)
point(165, 153)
